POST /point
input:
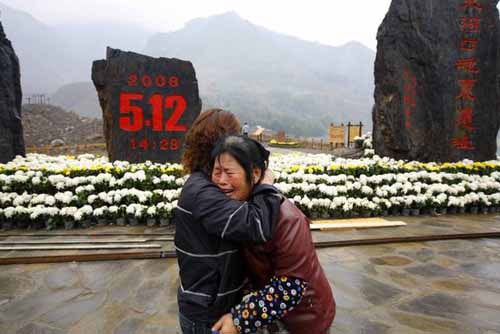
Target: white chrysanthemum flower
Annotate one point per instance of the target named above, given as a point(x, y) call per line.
point(50, 200)
point(36, 180)
point(130, 209)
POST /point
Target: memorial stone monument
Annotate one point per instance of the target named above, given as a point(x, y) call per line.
point(437, 72)
point(11, 128)
point(148, 105)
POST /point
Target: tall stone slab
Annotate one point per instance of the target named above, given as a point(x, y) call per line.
point(148, 105)
point(437, 74)
point(11, 128)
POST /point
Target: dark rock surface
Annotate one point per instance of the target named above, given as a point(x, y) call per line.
point(148, 105)
point(427, 53)
point(11, 129)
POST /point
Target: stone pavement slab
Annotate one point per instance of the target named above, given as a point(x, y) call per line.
point(440, 287)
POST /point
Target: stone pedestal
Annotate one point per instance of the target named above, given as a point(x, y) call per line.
point(148, 105)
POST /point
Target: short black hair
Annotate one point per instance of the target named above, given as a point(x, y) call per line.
point(249, 153)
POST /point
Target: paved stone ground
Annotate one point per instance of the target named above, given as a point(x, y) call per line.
point(433, 287)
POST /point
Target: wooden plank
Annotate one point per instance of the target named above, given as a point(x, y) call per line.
point(87, 247)
point(84, 234)
point(361, 224)
point(349, 220)
point(87, 241)
point(422, 238)
point(88, 257)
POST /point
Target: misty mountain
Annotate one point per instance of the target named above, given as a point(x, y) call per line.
point(40, 49)
point(266, 78)
point(88, 42)
point(272, 79)
point(52, 56)
point(79, 97)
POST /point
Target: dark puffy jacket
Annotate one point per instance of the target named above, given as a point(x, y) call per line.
point(291, 252)
point(208, 223)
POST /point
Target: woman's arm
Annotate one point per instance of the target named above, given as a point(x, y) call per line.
point(264, 306)
point(234, 220)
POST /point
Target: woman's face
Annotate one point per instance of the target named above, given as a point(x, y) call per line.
point(230, 177)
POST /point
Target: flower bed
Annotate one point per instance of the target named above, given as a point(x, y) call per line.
point(79, 191)
point(55, 192)
point(324, 187)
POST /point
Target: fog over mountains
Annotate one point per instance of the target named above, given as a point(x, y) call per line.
point(266, 78)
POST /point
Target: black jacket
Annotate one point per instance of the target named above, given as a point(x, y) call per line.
point(208, 226)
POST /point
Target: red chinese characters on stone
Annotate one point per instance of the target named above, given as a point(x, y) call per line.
point(467, 65)
point(465, 119)
point(409, 101)
point(466, 89)
point(463, 143)
point(470, 24)
point(409, 97)
point(472, 4)
point(468, 45)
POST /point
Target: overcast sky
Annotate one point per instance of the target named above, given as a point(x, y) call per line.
point(332, 22)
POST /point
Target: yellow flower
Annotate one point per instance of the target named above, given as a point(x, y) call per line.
point(334, 167)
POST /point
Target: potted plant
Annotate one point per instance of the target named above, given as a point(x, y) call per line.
point(407, 205)
point(22, 217)
point(36, 216)
point(131, 217)
point(385, 206)
point(418, 205)
point(395, 206)
point(68, 213)
point(6, 218)
point(164, 211)
point(121, 218)
point(111, 214)
point(151, 215)
point(53, 219)
point(484, 203)
point(473, 200)
point(85, 215)
point(140, 215)
point(100, 215)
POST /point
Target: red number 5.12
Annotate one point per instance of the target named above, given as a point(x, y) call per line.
point(132, 116)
